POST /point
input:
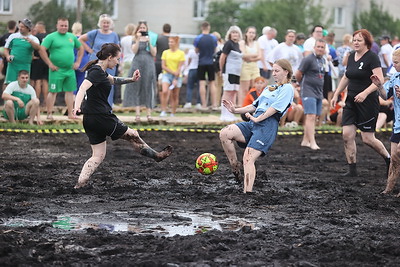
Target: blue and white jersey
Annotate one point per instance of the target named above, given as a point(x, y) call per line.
point(279, 99)
point(390, 87)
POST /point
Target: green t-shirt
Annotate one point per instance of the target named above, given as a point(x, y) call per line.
point(20, 48)
point(61, 48)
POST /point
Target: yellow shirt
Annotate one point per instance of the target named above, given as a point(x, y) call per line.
point(172, 59)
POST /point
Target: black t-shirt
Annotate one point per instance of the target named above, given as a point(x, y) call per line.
point(228, 47)
point(40, 36)
point(97, 94)
point(162, 44)
point(359, 72)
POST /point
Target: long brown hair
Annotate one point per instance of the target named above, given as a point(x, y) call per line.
point(107, 49)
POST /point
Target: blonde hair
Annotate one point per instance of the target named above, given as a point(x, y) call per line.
point(347, 38)
point(130, 29)
point(76, 28)
point(105, 17)
point(396, 53)
point(233, 29)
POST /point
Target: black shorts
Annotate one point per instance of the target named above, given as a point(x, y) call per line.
point(327, 85)
point(395, 138)
point(362, 115)
point(203, 69)
point(39, 70)
point(99, 126)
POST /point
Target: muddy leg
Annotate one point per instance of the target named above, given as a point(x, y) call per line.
point(249, 158)
point(140, 146)
point(228, 135)
point(394, 168)
point(98, 155)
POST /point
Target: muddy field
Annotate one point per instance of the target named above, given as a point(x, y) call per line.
point(141, 213)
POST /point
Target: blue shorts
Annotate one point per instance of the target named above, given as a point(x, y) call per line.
point(169, 78)
point(312, 105)
point(261, 135)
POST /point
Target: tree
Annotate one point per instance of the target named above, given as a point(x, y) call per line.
point(300, 15)
point(222, 15)
point(377, 21)
point(51, 11)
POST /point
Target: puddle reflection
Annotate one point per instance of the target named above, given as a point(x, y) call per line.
point(159, 223)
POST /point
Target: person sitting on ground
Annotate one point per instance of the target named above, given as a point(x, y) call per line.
point(259, 84)
point(20, 101)
point(295, 113)
point(335, 113)
point(386, 112)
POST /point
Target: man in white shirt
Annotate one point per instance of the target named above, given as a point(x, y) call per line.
point(266, 42)
point(385, 53)
point(20, 101)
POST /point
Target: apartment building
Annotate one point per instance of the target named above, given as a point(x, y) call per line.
point(185, 16)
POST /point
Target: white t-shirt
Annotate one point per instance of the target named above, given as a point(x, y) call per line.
point(194, 59)
point(292, 53)
point(126, 48)
point(267, 46)
point(387, 50)
point(14, 87)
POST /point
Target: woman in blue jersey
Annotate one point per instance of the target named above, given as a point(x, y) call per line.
point(392, 89)
point(258, 134)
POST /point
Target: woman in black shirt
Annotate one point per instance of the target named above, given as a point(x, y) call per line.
point(98, 119)
point(362, 104)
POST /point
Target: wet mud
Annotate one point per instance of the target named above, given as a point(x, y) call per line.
point(138, 212)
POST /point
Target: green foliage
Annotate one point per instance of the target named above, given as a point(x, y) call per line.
point(377, 21)
point(300, 15)
point(222, 15)
point(49, 13)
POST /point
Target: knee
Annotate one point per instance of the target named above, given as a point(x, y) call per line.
point(35, 102)
point(9, 104)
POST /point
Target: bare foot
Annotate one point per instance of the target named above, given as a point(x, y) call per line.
point(236, 170)
point(314, 147)
point(165, 153)
point(306, 144)
point(80, 185)
point(50, 117)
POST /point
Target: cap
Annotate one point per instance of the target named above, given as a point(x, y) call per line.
point(384, 37)
point(27, 23)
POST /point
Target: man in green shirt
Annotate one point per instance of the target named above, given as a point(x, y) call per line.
point(20, 101)
point(61, 44)
point(18, 50)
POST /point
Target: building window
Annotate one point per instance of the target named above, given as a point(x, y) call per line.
point(112, 5)
point(339, 17)
point(199, 9)
point(5, 6)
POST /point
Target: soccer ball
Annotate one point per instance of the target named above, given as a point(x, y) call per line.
point(207, 163)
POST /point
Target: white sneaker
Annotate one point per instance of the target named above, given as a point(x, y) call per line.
point(188, 105)
point(163, 114)
point(172, 115)
point(198, 106)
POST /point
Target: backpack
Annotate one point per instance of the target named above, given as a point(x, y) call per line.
point(216, 57)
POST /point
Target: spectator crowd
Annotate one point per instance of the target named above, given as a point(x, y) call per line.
point(235, 67)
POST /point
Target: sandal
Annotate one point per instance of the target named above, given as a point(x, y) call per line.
point(149, 118)
point(137, 119)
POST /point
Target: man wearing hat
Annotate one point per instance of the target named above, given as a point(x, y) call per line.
point(385, 53)
point(18, 50)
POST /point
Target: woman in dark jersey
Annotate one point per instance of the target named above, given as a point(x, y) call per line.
point(98, 119)
point(362, 103)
